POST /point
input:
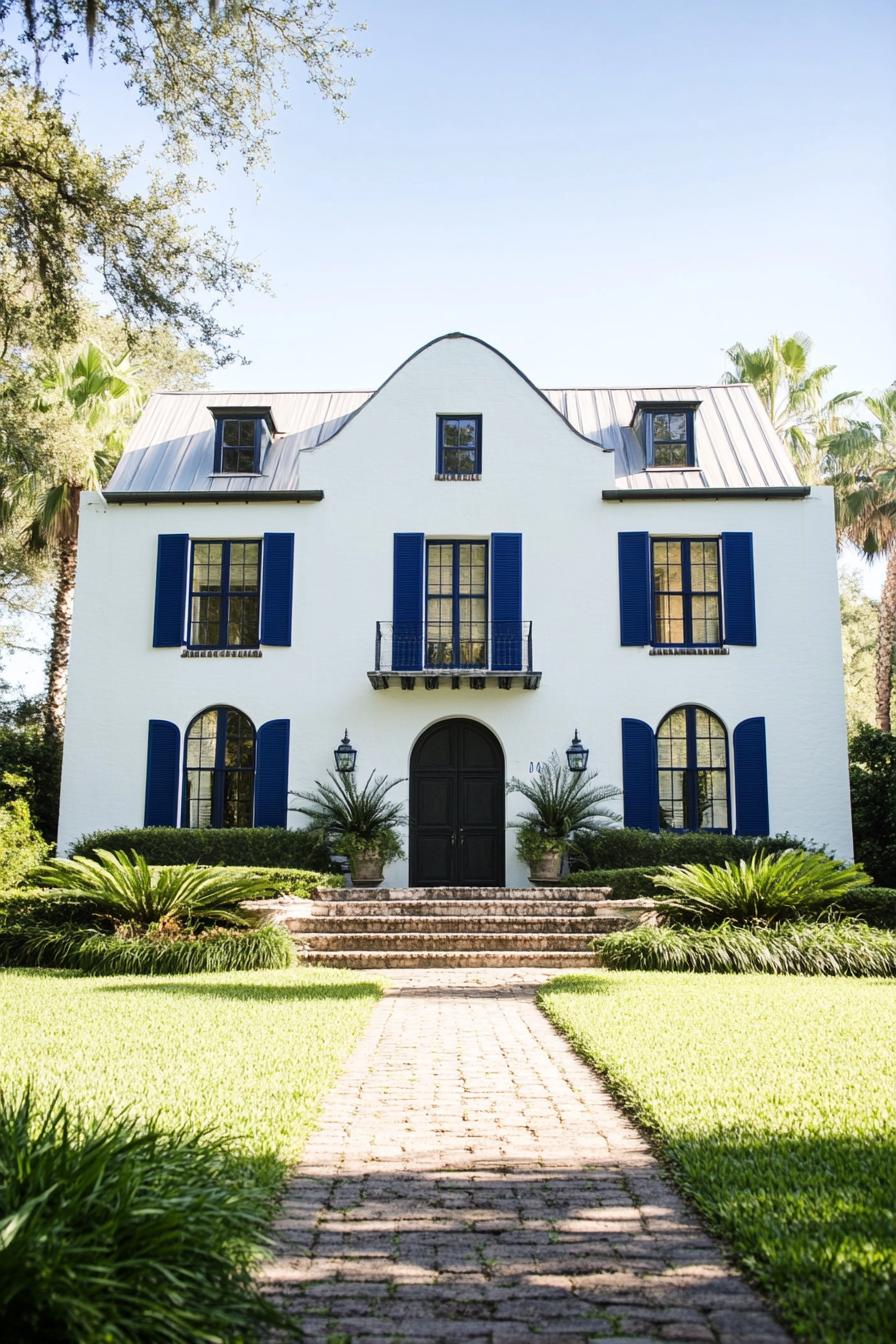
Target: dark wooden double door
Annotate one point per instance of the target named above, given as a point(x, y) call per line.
point(457, 807)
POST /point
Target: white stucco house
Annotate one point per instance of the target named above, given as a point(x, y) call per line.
point(460, 569)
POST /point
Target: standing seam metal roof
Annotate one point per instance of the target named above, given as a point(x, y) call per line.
point(172, 445)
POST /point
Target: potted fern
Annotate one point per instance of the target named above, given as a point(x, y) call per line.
point(360, 820)
point(562, 803)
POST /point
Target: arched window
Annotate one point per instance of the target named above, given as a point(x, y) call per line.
point(692, 755)
point(220, 769)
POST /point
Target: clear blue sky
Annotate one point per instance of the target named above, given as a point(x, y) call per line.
point(610, 193)
point(607, 192)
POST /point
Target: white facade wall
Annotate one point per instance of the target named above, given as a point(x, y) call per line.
point(539, 478)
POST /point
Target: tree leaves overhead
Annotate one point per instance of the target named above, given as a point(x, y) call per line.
point(214, 79)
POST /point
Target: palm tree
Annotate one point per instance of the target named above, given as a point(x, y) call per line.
point(860, 463)
point(92, 399)
point(792, 393)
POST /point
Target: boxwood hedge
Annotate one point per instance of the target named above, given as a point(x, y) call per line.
point(626, 883)
point(626, 847)
point(237, 846)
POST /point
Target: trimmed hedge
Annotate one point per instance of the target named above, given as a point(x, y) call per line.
point(873, 905)
point(626, 847)
point(237, 846)
point(627, 883)
point(843, 947)
point(289, 881)
point(269, 948)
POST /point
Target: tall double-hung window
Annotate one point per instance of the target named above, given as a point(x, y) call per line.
point(687, 598)
point(224, 593)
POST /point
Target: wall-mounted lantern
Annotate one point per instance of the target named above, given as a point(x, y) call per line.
point(577, 755)
point(345, 755)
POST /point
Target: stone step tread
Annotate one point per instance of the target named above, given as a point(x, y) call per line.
point(550, 960)
point(445, 942)
point(456, 909)
point(340, 923)
point(461, 893)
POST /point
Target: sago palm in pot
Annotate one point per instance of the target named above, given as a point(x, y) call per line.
point(562, 803)
point(358, 819)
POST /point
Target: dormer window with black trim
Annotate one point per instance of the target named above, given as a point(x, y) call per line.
point(666, 430)
point(242, 435)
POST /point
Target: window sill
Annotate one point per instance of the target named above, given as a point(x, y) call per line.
point(220, 653)
point(681, 466)
point(236, 475)
point(458, 476)
point(661, 650)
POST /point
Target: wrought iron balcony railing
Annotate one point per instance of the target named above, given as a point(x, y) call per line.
point(475, 654)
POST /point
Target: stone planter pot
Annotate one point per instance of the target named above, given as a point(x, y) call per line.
point(366, 868)
point(547, 868)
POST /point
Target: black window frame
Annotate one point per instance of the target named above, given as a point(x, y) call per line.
point(258, 439)
point(224, 593)
point(456, 597)
point(692, 771)
point(219, 771)
point(441, 421)
point(687, 594)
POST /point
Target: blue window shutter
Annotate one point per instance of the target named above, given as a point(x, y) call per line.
point(751, 778)
point(507, 601)
point(634, 588)
point(407, 601)
point(171, 590)
point(271, 772)
point(640, 782)
point(276, 587)
point(162, 774)
point(738, 588)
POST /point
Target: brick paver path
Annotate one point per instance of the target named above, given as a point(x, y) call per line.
point(471, 1180)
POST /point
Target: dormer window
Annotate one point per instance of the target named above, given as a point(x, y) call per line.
point(459, 445)
point(666, 431)
point(242, 434)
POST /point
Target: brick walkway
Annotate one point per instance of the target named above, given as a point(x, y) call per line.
point(471, 1180)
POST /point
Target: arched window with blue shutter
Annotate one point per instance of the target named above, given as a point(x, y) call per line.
point(692, 770)
point(639, 779)
point(219, 769)
point(271, 772)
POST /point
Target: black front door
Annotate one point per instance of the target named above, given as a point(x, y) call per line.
point(457, 807)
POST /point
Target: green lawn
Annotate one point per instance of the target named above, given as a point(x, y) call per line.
point(250, 1053)
point(774, 1101)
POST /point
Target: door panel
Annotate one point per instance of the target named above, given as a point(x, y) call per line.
point(457, 807)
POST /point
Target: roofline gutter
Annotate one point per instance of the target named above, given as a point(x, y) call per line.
point(213, 496)
point(710, 492)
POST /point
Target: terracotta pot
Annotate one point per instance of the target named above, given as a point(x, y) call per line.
point(547, 868)
point(367, 868)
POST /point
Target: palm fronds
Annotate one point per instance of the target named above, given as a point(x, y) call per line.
point(765, 889)
point(563, 802)
point(126, 889)
point(355, 816)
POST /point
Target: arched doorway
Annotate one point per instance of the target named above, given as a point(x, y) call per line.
point(457, 807)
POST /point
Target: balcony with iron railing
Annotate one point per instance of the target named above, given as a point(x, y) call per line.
point(493, 653)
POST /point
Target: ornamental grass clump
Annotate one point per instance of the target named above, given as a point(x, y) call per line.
point(115, 1231)
point(127, 891)
point(843, 947)
point(156, 952)
point(766, 889)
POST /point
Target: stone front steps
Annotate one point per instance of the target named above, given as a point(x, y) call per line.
point(457, 926)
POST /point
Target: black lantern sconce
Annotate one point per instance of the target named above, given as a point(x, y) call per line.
point(345, 755)
point(577, 755)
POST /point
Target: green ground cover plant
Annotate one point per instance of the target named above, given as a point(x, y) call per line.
point(829, 947)
point(774, 1103)
point(147, 953)
point(234, 846)
point(117, 1232)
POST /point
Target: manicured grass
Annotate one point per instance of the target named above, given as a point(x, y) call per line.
point(250, 1054)
point(774, 1102)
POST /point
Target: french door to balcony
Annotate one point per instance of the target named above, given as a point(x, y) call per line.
point(457, 604)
